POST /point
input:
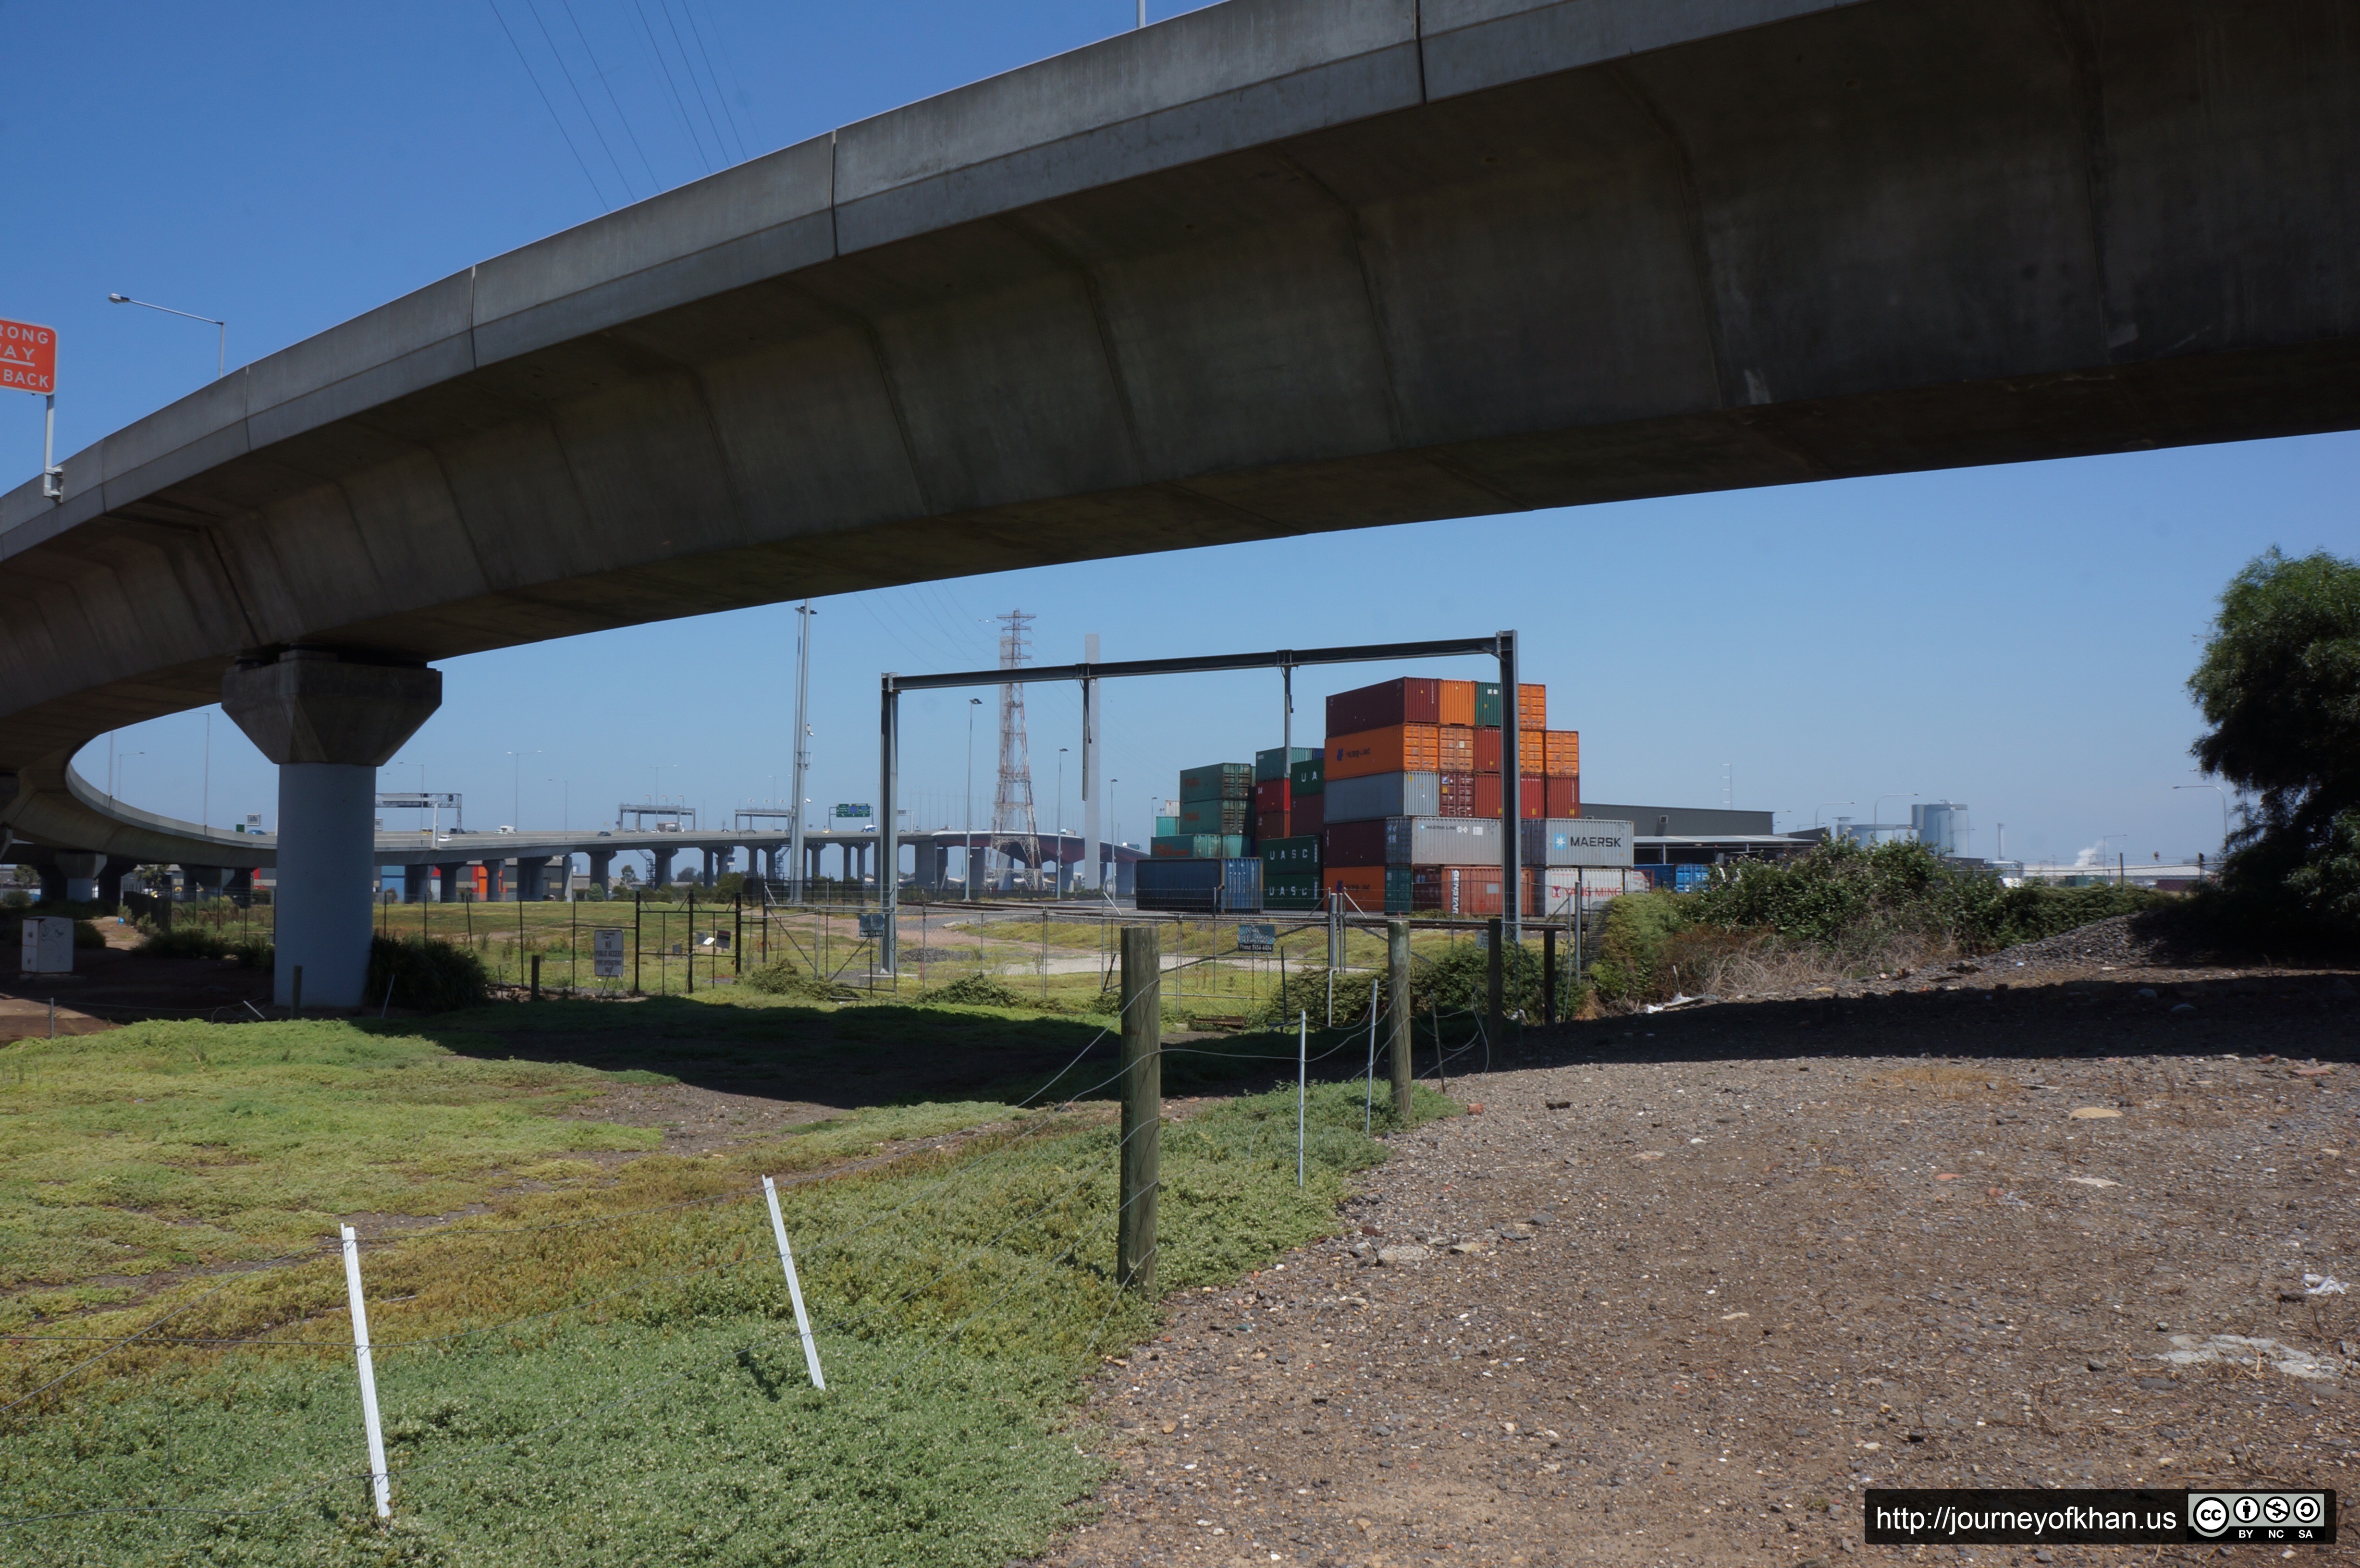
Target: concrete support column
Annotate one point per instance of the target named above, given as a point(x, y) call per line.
point(241, 883)
point(416, 883)
point(110, 878)
point(207, 881)
point(495, 881)
point(532, 877)
point(453, 874)
point(82, 876)
point(974, 853)
point(329, 720)
point(602, 865)
point(53, 884)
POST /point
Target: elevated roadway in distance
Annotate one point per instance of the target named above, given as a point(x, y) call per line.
point(1273, 268)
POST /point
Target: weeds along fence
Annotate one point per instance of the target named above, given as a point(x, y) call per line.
point(909, 1281)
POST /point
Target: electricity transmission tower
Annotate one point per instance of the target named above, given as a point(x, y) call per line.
point(1013, 820)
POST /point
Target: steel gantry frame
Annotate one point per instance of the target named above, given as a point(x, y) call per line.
point(1499, 645)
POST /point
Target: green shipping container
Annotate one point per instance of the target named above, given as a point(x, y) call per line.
point(1215, 816)
point(1217, 781)
point(1197, 846)
point(1289, 890)
point(1285, 854)
point(1275, 762)
point(1487, 705)
point(1165, 827)
point(1308, 777)
point(1399, 883)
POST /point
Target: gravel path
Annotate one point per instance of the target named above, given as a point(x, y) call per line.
point(1691, 1282)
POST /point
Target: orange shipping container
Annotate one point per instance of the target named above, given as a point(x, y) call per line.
point(1532, 707)
point(1396, 748)
point(1364, 884)
point(1458, 703)
point(1561, 754)
point(1458, 744)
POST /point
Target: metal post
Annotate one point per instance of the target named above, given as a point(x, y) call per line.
point(1094, 876)
point(638, 900)
point(889, 859)
point(366, 1364)
point(691, 939)
point(1512, 807)
point(794, 1286)
point(1397, 963)
point(1143, 1105)
point(536, 978)
point(1369, 1107)
point(802, 746)
point(1495, 1010)
point(53, 478)
point(1548, 975)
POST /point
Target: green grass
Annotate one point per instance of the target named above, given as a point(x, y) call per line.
point(961, 1292)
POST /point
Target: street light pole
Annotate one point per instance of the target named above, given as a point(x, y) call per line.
point(803, 614)
point(221, 350)
point(2224, 809)
point(516, 786)
point(967, 846)
point(1060, 819)
point(1823, 806)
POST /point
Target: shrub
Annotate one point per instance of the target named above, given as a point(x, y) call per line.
point(979, 991)
point(783, 979)
point(252, 950)
point(1632, 938)
point(426, 974)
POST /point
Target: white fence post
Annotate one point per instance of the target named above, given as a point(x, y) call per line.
point(384, 1483)
point(1369, 1108)
point(794, 1286)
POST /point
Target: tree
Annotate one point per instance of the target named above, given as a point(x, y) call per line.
point(2280, 684)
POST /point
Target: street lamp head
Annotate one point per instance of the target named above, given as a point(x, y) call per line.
point(118, 299)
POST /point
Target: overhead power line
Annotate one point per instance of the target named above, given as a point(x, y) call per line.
point(579, 160)
point(607, 83)
point(689, 67)
point(582, 102)
point(665, 66)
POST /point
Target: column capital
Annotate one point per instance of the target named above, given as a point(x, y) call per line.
point(329, 705)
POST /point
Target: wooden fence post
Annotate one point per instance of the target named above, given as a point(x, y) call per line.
point(1142, 1106)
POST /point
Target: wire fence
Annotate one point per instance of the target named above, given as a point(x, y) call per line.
point(1069, 1198)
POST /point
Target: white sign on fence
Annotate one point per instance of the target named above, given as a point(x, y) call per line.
point(48, 945)
point(1257, 939)
point(606, 952)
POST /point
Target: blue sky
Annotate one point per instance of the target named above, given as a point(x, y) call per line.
point(2015, 638)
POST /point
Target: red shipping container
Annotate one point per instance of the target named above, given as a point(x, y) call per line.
point(1355, 843)
point(1564, 797)
point(1307, 815)
point(1271, 795)
point(1270, 825)
point(1532, 746)
point(1458, 753)
point(1458, 794)
point(1413, 700)
point(1457, 890)
point(1487, 796)
point(1458, 703)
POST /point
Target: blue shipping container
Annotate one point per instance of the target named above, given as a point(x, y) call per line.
point(1199, 887)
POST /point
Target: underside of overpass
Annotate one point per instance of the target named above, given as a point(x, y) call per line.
point(1273, 268)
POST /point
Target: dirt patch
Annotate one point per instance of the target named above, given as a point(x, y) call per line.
point(1767, 1255)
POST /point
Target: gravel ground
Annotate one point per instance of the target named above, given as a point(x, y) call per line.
point(1688, 1282)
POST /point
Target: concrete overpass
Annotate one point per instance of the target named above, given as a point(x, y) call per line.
point(1273, 268)
point(521, 863)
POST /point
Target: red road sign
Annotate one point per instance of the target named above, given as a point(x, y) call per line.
point(28, 357)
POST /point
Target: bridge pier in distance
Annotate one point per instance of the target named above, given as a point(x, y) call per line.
point(82, 876)
point(417, 884)
point(602, 863)
point(330, 720)
point(449, 873)
point(532, 877)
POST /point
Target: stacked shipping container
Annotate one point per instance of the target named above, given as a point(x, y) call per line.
point(1201, 859)
point(1412, 792)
